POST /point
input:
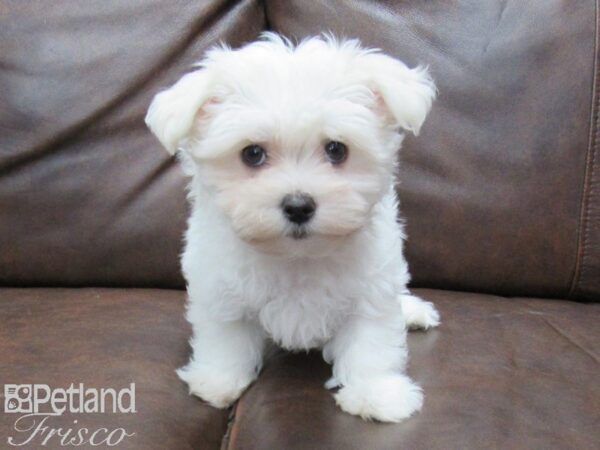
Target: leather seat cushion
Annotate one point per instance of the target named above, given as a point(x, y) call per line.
point(501, 372)
point(108, 338)
point(498, 373)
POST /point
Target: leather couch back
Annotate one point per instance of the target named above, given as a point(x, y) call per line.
point(87, 196)
point(501, 192)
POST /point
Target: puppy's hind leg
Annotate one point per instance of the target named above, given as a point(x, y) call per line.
point(418, 313)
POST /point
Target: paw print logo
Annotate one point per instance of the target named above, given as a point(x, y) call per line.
point(17, 398)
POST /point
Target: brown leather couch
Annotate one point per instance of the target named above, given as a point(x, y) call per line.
point(501, 193)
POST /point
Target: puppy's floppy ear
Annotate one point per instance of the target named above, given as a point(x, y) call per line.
point(406, 93)
point(172, 112)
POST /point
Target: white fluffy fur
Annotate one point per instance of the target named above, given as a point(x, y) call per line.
point(342, 288)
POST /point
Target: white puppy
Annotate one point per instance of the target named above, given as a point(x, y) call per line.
point(293, 234)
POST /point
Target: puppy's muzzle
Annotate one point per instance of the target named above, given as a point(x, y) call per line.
point(298, 208)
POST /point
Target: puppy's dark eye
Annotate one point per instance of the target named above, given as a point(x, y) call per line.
point(336, 152)
point(254, 155)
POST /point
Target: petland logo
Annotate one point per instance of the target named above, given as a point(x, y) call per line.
point(38, 404)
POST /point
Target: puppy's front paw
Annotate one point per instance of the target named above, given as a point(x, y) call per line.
point(387, 398)
point(418, 313)
point(219, 388)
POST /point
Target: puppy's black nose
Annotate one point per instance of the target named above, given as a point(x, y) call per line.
point(298, 208)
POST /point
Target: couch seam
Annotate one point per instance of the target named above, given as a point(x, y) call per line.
point(583, 226)
point(226, 442)
point(227, 434)
point(266, 15)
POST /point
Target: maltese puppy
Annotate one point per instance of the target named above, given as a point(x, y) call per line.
point(293, 236)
